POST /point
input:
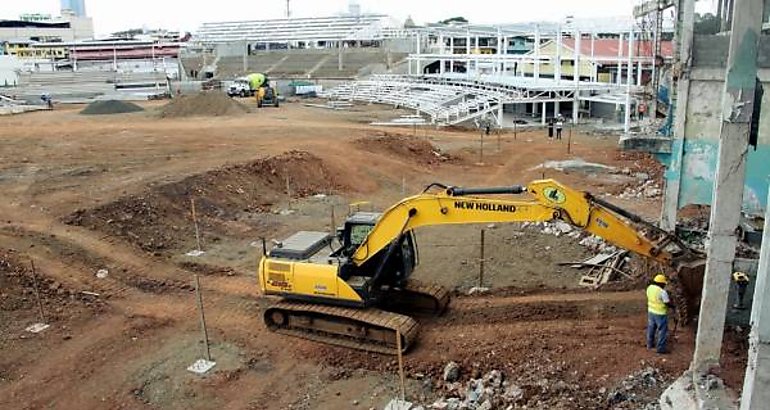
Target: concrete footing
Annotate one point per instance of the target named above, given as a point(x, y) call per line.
point(652, 144)
point(705, 392)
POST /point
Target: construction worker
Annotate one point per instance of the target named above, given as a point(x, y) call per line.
point(559, 126)
point(741, 281)
point(658, 304)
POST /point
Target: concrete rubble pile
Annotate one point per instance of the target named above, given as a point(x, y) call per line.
point(561, 228)
point(648, 189)
point(494, 390)
point(10, 106)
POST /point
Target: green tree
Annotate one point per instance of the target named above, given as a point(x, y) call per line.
point(458, 19)
point(706, 24)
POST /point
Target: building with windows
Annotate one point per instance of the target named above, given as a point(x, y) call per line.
point(67, 28)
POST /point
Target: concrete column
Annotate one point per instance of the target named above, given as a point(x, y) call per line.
point(245, 57)
point(618, 80)
point(542, 117)
point(680, 95)
point(419, 51)
point(500, 112)
point(576, 77)
point(556, 108)
point(536, 72)
point(620, 55)
point(468, 43)
point(452, 51)
point(755, 392)
point(557, 63)
point(629, 80)
point(595, 72)
point(639, 73)
point(576, 59)
point(737, 105)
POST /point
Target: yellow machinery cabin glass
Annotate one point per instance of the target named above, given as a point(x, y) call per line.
point(358, 233)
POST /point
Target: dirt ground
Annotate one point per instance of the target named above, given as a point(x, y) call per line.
point(83, 194)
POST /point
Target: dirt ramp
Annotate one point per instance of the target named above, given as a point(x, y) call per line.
point(204, 104)
point(158, 220)
point(110, 107)
point(411, 148)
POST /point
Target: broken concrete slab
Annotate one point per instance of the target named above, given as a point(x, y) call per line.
point(652, 144)
point(577, 164)
point(398, 404)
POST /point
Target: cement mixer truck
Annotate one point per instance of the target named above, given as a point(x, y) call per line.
point(247, 86)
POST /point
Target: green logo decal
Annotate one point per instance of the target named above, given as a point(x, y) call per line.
point(554, 195)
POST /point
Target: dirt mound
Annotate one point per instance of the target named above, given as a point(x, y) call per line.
point(403, 146)
point(18, 292)
point(110, 107)
point(204, 104)
point(159, 219)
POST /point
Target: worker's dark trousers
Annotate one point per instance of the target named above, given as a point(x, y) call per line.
point(657, 324)
point(558, 133)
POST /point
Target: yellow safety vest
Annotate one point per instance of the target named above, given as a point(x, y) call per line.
point(654, 305)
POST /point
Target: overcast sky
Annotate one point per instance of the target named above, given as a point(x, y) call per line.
point(114, 15)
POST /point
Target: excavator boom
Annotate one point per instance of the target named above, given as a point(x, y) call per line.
point(547, 200)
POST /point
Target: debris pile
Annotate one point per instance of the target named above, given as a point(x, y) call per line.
point(203, 104)
point(577, 165)
point(406, 147)
point(649, 189)
point(603, 268)
point(496, 391)
point(561, 228)
point(108, 107)
point(606, 266)
point(18, 288)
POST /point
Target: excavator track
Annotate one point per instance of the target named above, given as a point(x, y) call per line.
point(370, 329)
point(418, 298)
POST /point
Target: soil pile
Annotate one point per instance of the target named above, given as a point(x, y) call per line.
point(110, 107)
point(18, 293)
point(159, 219)
point(406, 147)
point(204, 104)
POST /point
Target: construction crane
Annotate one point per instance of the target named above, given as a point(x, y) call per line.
point(344, 289)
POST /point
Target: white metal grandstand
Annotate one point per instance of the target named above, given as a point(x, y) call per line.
point(453, 99)
point(364, 27)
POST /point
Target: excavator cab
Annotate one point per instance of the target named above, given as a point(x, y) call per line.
point(394, 268)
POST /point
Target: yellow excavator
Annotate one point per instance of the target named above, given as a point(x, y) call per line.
point(345, 289)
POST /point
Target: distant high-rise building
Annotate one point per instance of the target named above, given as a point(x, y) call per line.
point(76, 7)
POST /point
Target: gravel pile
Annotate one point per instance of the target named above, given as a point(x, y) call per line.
point(110, 107)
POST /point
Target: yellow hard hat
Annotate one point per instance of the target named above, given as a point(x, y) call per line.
point(660, 278)
point(740, 277)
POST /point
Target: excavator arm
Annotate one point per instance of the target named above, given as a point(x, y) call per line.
point(547, 200)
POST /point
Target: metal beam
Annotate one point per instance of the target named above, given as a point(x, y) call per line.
point(652, 6)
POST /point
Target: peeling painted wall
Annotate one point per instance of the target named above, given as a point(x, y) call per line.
point(704, 120)
point(699, 166)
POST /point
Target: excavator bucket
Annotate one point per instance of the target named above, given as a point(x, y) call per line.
point(690, 277)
